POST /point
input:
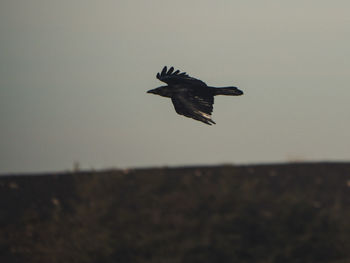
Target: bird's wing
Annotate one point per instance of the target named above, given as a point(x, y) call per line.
point(195, 106)
point(172, 77)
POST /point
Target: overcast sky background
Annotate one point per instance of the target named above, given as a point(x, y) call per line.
point(74, 76)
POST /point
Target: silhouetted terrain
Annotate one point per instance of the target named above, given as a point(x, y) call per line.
point(263, 213)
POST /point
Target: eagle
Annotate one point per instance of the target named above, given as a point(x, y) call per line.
point(191, 97)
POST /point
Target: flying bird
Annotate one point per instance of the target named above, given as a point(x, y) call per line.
point(191, 97)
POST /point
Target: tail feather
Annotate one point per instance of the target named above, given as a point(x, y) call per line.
point(231, 91)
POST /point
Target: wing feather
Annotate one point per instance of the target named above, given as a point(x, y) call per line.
point(177, 78)
point(194, 106)
point(170, 70)
point(163, 71)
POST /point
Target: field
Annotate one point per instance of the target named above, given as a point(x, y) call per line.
point(259, 213)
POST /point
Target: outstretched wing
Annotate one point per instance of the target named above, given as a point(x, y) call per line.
point(195, 106)
point(172, 77)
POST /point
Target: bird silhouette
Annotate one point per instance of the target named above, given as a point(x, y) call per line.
point(191, 97)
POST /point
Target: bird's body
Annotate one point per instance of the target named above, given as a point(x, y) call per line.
point(191, 97)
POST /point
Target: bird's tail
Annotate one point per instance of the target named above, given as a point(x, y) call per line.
point(231, 91)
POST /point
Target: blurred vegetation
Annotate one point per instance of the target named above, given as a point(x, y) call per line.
point(267, 214)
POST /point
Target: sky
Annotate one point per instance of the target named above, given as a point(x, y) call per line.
point(74, 76)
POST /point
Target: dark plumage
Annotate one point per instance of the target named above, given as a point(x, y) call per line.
point(191, 97)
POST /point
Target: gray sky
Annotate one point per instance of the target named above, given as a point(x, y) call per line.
point(74, 76)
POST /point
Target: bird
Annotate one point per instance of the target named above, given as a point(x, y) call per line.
point(191, 97)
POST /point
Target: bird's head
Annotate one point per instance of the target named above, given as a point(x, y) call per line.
point(161, 91)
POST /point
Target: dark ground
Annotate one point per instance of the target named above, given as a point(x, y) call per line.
point(264, 213)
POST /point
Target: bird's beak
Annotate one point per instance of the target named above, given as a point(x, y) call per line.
point(151, 91)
